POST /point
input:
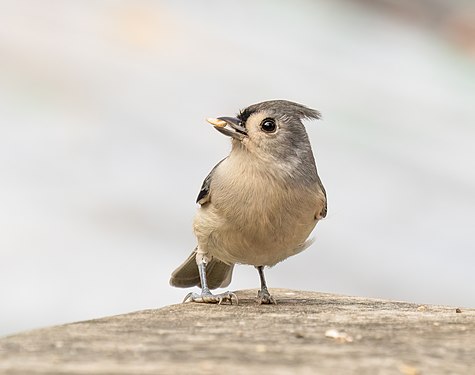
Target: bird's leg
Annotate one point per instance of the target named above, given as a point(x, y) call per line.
point(263, 296)
point(206, 296)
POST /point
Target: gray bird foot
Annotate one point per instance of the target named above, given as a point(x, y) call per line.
point(208, 297)
point(264, 298)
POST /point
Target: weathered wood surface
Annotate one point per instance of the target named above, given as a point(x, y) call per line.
point(306, 333)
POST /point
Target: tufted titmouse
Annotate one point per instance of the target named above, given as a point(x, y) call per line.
point(259, 204)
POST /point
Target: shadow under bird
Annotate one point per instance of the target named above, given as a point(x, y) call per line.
point(258, 205)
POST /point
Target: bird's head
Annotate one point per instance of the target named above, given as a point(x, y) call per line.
point(271, 129)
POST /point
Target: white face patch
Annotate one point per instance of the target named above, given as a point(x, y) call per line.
point(260, 141)
point(266, 145)
point(253, 125)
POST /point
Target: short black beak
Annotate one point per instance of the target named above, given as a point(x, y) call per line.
point(235, 129)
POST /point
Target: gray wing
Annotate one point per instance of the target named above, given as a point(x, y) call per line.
point(323, 212)
point(203, 196)
point(325, 209)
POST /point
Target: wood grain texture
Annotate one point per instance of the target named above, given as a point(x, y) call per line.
point(305, 333)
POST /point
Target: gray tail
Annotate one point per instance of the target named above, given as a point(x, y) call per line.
point(218, 274)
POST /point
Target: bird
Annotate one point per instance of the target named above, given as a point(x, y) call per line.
point(258, 205)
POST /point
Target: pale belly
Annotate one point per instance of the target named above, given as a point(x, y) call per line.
point(258, 220)
point(232, 247)
point(254, 237)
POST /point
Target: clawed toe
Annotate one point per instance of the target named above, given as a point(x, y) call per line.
point(212, 298)
point(264, 298)
point(228, 296)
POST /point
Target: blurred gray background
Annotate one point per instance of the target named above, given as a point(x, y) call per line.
point(104, 146)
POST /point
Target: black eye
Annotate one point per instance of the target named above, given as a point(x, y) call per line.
point(268, 125)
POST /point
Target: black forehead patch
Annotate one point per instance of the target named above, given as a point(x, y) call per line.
point(245, 114)
point(280, 108)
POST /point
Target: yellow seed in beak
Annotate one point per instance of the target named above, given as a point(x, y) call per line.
point(216, 122)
